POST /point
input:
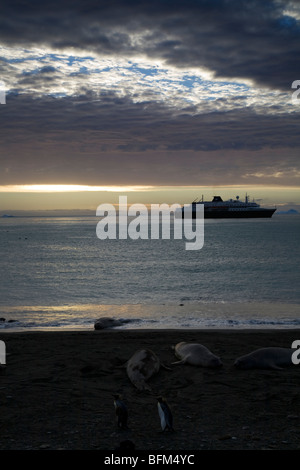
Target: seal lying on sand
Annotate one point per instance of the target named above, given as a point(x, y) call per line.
point(141, 366)
point(196, 354)
point(266, 358)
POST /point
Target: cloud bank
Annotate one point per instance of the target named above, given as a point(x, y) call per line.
point(149, 93)
point(247, 39)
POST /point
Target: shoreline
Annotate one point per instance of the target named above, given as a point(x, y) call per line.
point(158, 331)
point(194, 315)
point(56, 392)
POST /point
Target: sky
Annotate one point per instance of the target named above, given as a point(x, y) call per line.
point(161, 100)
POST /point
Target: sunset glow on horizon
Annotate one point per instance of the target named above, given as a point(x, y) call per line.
point(61, 188)
point(87, 197)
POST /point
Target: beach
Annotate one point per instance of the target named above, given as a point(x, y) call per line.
point(56, 392)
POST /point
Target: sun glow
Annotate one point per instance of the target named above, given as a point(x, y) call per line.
point(61, 188)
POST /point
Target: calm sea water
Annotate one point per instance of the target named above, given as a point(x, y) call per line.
point(55, 272)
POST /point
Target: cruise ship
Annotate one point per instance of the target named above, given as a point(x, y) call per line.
point(233, 208)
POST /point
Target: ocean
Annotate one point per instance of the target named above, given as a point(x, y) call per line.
point(57, 274)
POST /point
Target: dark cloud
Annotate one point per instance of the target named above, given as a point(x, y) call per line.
point(246, 39)
point(104, 139)
point(47, 69)
point(114, 141)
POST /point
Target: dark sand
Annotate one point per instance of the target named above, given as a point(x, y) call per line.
point(56, 392)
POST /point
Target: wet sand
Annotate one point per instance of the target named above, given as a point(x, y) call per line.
point(56, 392)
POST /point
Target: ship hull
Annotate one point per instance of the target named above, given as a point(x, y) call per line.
point(235, 214)
point(250, 214)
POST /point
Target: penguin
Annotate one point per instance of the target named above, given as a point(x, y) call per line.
point(121, 412)
point(166, 418)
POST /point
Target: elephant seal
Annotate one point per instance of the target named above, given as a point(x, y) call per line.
point(196, 354)
point(265, 358)
point(109, 322)
point(141, 366)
